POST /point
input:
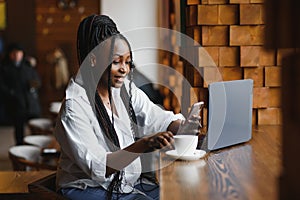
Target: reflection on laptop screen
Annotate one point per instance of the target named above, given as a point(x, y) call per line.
point(229, 113)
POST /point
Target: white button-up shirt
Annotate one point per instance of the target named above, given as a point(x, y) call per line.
point(83, 147)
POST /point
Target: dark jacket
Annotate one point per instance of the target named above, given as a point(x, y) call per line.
point(19, 86)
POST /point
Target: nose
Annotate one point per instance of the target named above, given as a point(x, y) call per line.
point(123, 67)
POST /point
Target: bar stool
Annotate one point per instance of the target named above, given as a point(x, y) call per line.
point(41, 141)
point(55, 107)
point(49, 150)
point(40, 126)
point(27, 158)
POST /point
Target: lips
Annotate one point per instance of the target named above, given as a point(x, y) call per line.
point(119, 79)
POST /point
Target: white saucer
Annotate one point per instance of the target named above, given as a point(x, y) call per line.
point(197, 155)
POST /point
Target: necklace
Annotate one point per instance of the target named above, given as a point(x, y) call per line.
point(105, 100)
point(107, 103)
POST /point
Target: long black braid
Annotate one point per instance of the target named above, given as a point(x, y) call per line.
point(117, 180)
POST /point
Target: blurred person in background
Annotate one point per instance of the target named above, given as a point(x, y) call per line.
point(19, 84)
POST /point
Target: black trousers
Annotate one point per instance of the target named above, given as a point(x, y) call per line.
point(19, 123)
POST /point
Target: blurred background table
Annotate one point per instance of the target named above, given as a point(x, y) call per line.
point(246, 171)
point(17, 181)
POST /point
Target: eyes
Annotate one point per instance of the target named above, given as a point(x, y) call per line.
point(122, 60)
point(119, 62)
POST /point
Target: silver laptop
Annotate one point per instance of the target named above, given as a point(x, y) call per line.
point(229, 114)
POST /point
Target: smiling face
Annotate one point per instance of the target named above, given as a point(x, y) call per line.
point(120, 64)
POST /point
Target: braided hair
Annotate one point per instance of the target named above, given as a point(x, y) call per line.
point(93, 31)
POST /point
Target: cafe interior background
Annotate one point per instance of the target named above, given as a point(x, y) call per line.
point(247, 39)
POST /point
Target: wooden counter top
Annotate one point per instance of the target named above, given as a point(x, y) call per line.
point(247, 171)
point(17, 181)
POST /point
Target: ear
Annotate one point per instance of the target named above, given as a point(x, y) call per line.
point(92, 59)
point(132, 65)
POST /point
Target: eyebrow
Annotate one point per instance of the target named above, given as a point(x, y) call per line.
point(121, 55)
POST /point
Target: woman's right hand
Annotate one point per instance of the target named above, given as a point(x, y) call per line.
point(159, 140)
point(123, 157)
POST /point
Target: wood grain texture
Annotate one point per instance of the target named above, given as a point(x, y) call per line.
point(17, 182)
point(245, 171)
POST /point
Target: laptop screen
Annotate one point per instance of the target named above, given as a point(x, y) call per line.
point(229, 113)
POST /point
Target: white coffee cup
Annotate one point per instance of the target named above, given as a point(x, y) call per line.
point(185, 144)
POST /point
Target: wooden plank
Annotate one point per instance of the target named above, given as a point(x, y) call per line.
point(246, 35)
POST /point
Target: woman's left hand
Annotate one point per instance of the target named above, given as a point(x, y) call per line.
point(190, 126)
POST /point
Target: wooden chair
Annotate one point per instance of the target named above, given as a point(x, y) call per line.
point(50, 150)
point(27, 158)
point(41, 141)
point(45, 188)
point(40, 126)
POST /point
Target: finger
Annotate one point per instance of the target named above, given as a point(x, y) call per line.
point(193, 121)
point(162, 140)
point(152, 143)
point(165, 140)
point(166, 146)
point(195, 117)
point(168, 136)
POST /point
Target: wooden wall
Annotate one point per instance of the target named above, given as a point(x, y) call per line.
point(57, 28)
point(20, 26)
point(41, 26)
point(257, 39)
point(232, 33)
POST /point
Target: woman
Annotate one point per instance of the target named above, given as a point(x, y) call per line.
point(101, 118)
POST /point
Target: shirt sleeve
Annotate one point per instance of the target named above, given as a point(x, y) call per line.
point(80, 142)
point(151, 118)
